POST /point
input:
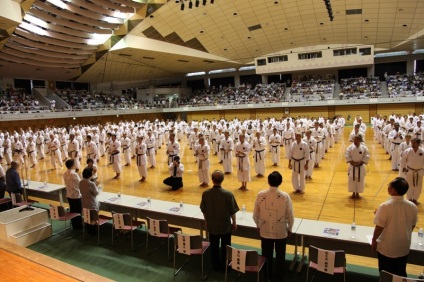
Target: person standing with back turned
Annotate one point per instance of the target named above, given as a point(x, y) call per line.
point(394, 221)
point(273, 215)
point(219, 209)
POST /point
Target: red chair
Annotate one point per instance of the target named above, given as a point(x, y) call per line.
point(339, 266)
point(252, 263)
point(58, 213)
point(21, 203)
point(160, 229)
point(189, 245)
point(92, 217)
point(124, 222)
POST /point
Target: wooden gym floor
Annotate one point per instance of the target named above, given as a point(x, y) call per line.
point(326, 197)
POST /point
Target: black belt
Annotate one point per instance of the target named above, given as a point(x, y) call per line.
point(139, 159)
point(359, 172)
point(298, 161)
point(30, 152)
point(258, 153)
point(124, 149)
point(275, 147)
point(396, 144)
point(111, 158)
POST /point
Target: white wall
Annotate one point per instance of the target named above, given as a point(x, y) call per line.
point(328, 60)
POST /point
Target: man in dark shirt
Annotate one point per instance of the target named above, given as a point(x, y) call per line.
point(219, 209)
point(13, 181)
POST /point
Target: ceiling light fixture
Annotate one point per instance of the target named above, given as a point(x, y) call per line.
point(191, 4)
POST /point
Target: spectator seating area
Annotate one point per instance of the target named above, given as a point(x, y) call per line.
point(17, 100)
point(84, 100)
point(243, 94)
point(360, 88)
point(403, 85)
point(312, 90)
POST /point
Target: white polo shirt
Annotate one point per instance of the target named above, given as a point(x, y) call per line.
point(396, 216)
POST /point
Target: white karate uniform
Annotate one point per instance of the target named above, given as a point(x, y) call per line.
point(202, 153)
point(243, 162)
point(299, 155)
point(356, 174)
point(413, 162)
point(312, 143)
point(140, 151)
point(74, 152)
point(39, 142)
point(126, 149)
point(172, 150)
point(32, 153)
point(226, 148)
point(259, 146)
point(274, 142)
point(150, 150)
point(115, 158)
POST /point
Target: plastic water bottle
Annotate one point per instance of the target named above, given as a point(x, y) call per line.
point(243, 212)
point(420, 237)
point(45, 184)
point(181, 207)
point(149, 202)
point(119, 196)
point(353, 230)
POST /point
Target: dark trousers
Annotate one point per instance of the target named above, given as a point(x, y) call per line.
point(2, 189)
point(75, 206)
point(175, 182)
point(218, 257)
point(396, 266)
point(268, 246)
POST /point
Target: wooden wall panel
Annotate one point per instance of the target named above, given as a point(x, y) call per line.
point(199, 116)
point(240, 114)
point(309, 111)
point(276, 113)
point(350, 112)
point(388, 109)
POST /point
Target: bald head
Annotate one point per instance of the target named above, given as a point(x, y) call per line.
point(217, 177)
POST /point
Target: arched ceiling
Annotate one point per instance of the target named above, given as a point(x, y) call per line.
point(127, 40)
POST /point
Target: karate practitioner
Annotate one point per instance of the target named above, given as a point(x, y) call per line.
point(298, 162)
point(357, 156)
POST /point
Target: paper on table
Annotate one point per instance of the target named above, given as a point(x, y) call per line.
point(113, 199)
point(141, 204)
point(369, 238)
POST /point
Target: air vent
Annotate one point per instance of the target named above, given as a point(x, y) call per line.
point(125, 55)
point(148, 58)
point(206, 61)
point(254, 27)
point(183, 61)
point(354, 12)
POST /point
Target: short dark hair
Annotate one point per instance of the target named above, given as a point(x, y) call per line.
point(400, 185)
point(90, 160)
point(417, 140)
point(275, 179)
point(69, 163)
point(217, 177)
point(87, 173)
